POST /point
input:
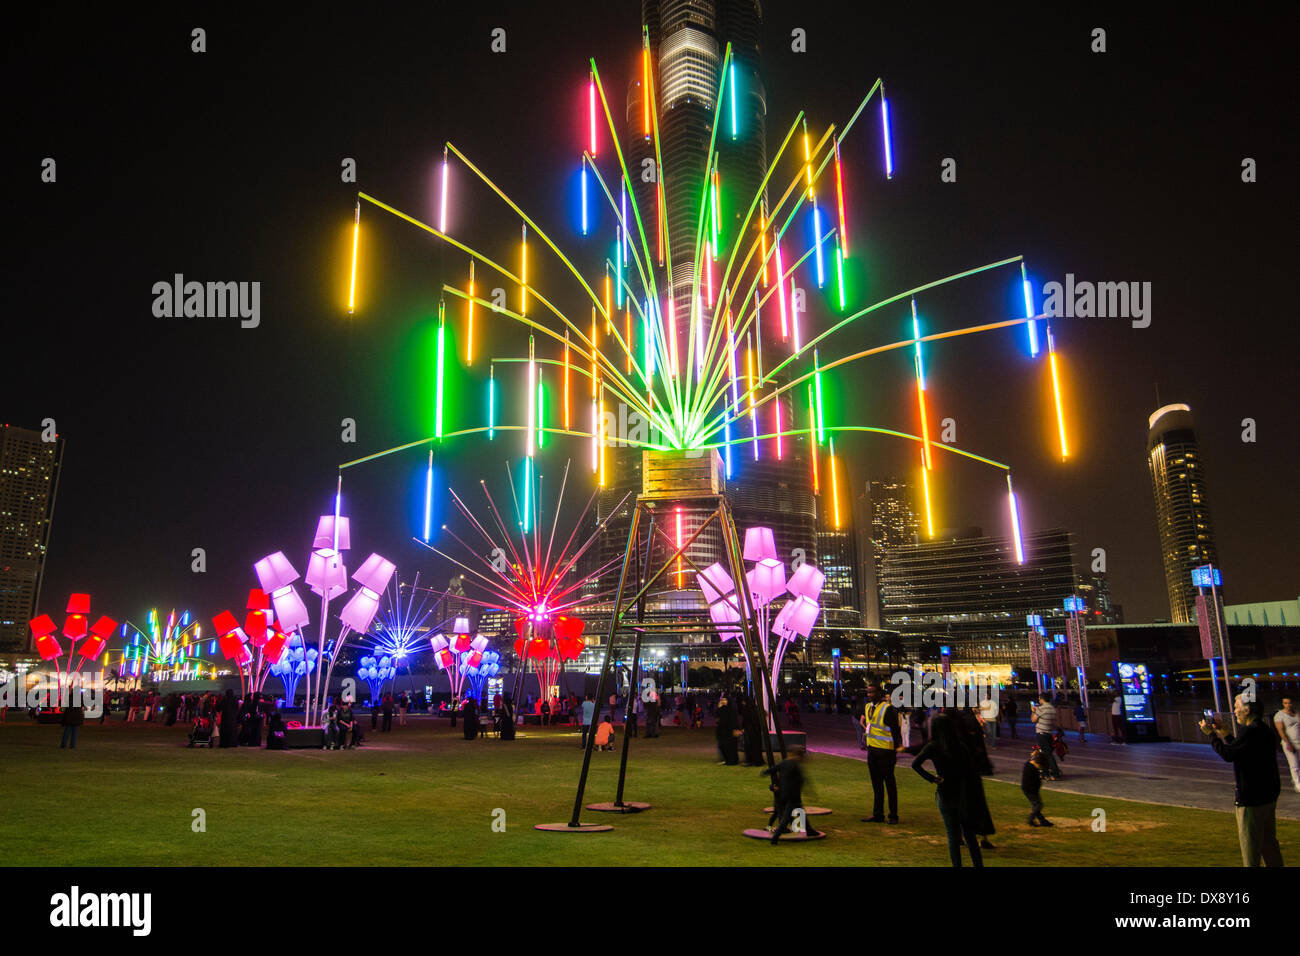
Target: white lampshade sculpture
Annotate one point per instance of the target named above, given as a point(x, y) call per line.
point(327, 577)
point(767, 584)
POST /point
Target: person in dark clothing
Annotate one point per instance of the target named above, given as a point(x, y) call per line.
point(884, 739)
point(1031, 785)
point(506, 717)
point(348, 728)
point(470, 714)
point(957, 780)
point(255, 721)
point(1253, 755)
point(787, 794)
point(229, 730)
point(387, 711)
point(169, 709)
point(1009, 708)
point(275, 732)
point(73, 718)
point(727, 732)
point(753, 732)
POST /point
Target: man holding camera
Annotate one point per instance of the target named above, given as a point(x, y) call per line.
point(1253, 755)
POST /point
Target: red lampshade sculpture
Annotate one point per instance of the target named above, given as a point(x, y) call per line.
point(93, 638)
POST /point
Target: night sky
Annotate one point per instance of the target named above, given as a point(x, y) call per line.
point(224, 166)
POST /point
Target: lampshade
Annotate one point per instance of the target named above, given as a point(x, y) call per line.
point(473, 659)
point(443, 658)
point(324, 539)
point(79, 604)
point(797, 617)
point(714, 581)
point(759, 544)
point(361, 609)
point(460, 643)
point(47, 645)
point(275, 648)
point(570, 647)
point(327, 575)
point(74, 627)
point(766, 581)
point(806, 582)
point(569, 628)
point(725, 619)
point(258, 600)
point(103, 627)
point(275, 572)
point(93, 647)
point(375, 573)
point(479, 644)
point(461, 626)
point(42, 625)
point(224, 623)
point(289, 609)
point(243, 655)
point(255, 627)
point(230, 644)
point(437, 643)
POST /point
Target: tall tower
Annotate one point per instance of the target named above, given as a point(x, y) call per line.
point(29, 477)
point(1182, 508)
point(893, 516)
point(687, 44)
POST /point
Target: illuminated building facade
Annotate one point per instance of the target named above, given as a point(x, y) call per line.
point(1182, 509)
point(29, 479)
point(971, 594)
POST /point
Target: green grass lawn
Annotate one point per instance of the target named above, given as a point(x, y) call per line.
point(422, 795)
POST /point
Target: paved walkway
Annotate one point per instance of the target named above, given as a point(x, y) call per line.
point(1183, 775)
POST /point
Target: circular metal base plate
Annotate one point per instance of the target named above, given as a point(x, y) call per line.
point(629, 806)
point(581, 828)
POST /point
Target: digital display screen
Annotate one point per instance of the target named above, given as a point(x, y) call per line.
point(1135, 686)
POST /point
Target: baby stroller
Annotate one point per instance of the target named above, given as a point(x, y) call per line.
point(202, 734)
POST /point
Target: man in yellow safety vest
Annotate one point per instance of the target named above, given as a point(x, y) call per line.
point(884, 739)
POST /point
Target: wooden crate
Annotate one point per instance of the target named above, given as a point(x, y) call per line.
point(674, 474)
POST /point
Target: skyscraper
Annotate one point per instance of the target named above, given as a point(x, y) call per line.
point(770, 480)
point(29, 477)
point(891, 510)
point(1182, 509)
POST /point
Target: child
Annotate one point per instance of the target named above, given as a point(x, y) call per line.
point(605, 734)
point(1031, 784)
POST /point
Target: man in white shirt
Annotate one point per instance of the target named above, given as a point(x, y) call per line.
point(1117, 719)
point(1044, 718)
point(1287, 722)
point(989, 719)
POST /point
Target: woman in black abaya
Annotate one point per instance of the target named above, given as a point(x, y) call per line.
point(229, 731)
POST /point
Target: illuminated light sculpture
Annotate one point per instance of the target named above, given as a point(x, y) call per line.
point(479, 672)
point(689, 408)
point(1014, 508)
point(537, 580)
point(375, 672)
point(169, 650)
point(397, 634)
point(86, 642)
point(1056, 391)
point(766, 583)
point(356, 240)
point(282, 650)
